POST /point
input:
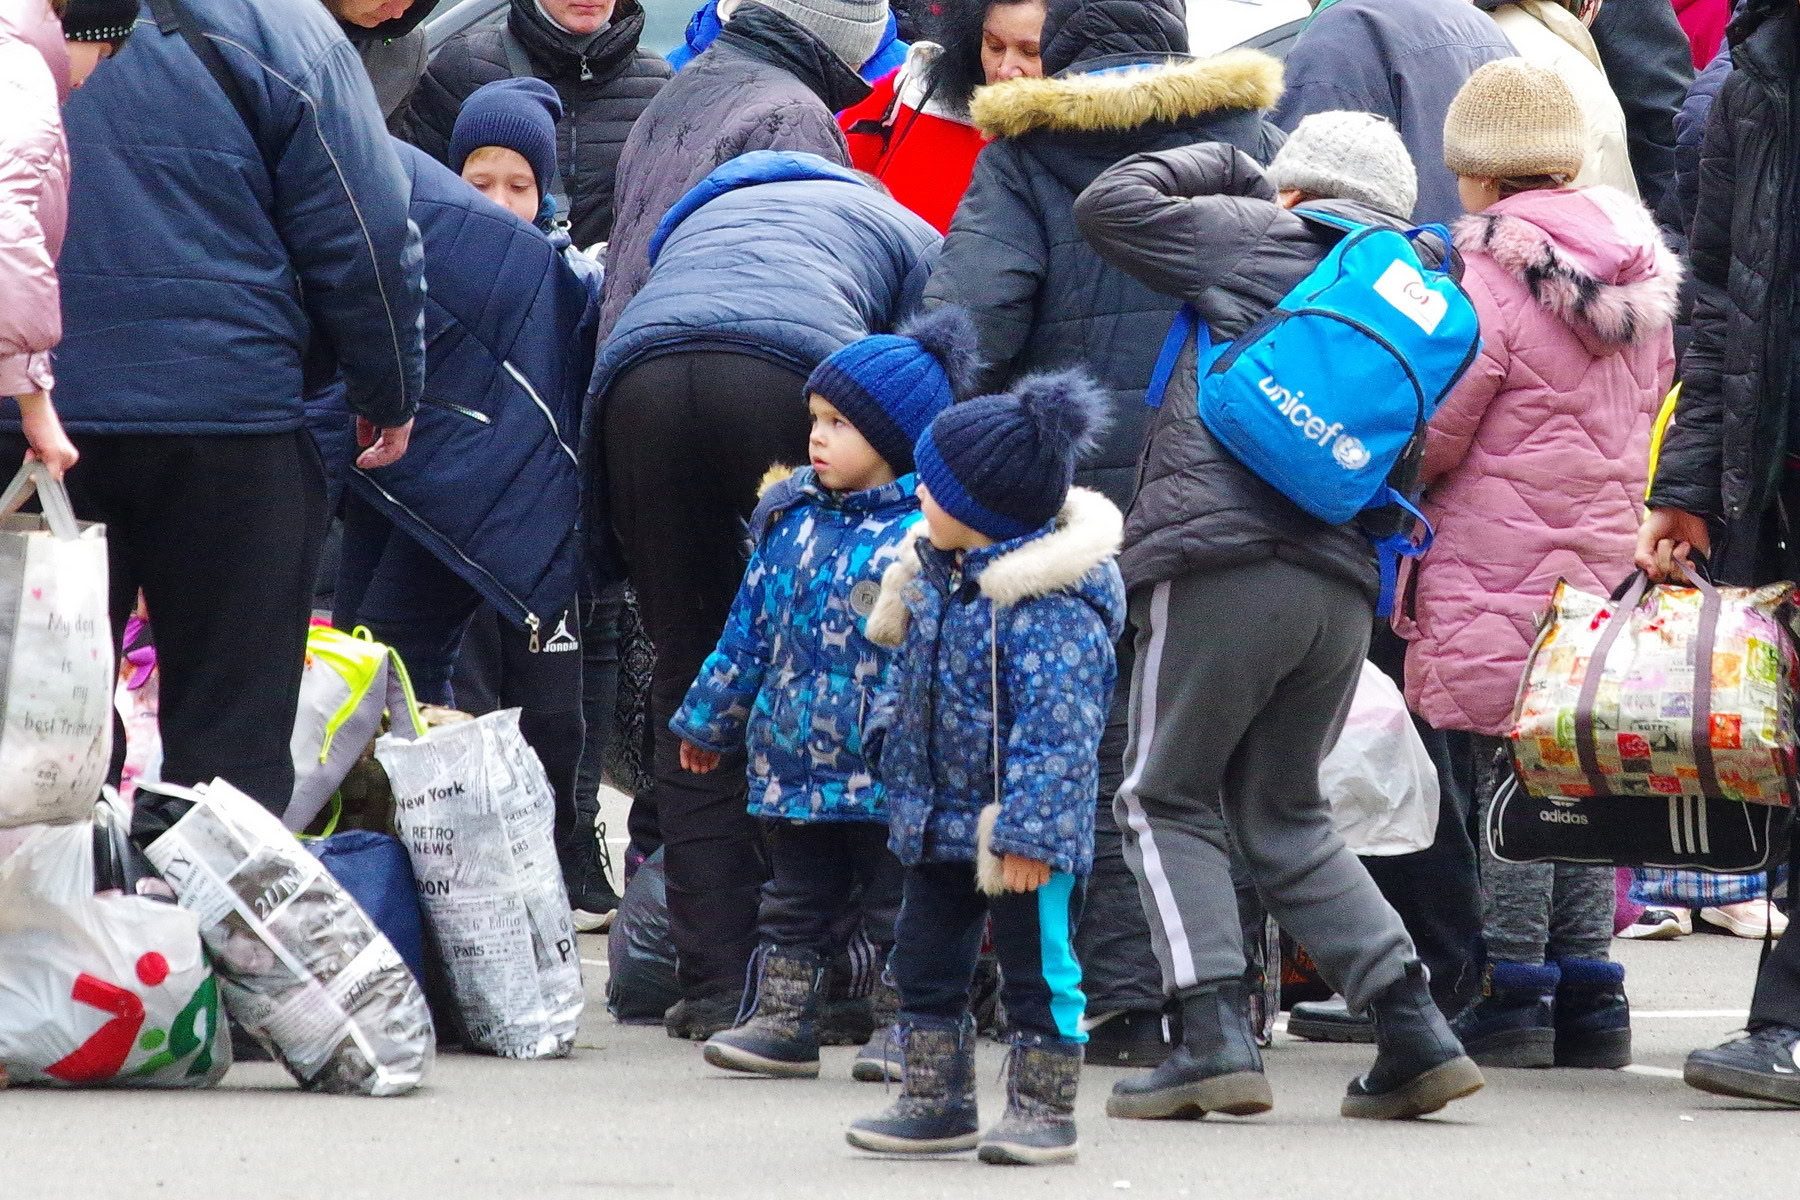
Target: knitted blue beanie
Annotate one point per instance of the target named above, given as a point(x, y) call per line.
point(519, 114)
point(1003, 465)
point(891, 385)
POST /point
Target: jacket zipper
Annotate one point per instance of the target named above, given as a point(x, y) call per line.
point(470, 413)
point(555, 430)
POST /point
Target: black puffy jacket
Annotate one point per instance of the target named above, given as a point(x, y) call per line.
point(1201, 224)
point(603, 90)
point(1040, 296)
point(1723, 455)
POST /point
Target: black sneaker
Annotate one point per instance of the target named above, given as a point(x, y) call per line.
point(1329, 1021)
point(1127, 1039)
point(1764, 1064)
point(592, 901)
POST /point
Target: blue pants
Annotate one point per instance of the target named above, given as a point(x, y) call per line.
point(938, 938)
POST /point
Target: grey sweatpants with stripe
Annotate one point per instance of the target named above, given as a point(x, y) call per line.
point(1245, 678)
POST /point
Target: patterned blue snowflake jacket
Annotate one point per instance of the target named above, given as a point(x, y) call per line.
point(1052, 604)
point(793, 675)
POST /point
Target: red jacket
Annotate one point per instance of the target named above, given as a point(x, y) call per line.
point(1704, 22)
point(918, 149)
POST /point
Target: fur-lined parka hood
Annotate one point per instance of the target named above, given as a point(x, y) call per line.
point(1591, 257)
point(1085, 535)
point(1129, 96)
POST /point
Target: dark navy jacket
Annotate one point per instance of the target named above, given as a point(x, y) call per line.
point(783, 255)
point(489, 483)
point(202, 259)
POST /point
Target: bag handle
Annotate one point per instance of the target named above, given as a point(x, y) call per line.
point(59, 514)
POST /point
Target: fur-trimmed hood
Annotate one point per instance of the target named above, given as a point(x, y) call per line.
point(1086, 534)
point(1128, 97)
point(1592, 257)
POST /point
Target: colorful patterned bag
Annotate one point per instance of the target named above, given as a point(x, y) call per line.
point(1662, 691)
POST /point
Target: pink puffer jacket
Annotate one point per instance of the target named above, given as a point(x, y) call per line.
point(34, 190)
point(1536, 463)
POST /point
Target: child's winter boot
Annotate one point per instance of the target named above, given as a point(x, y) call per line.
point(1419, 1064)
point(1216, 1068)
point(780, 1038)
point(1039, 1125)
point(1512, 1022)
point(880, 1061)
point(1593, 1018)
point(935, 1113)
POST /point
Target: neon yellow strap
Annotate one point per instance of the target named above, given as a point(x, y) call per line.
point(1657, 430)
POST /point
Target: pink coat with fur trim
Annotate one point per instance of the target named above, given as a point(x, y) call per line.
point(1536, 463)
point(34, 183)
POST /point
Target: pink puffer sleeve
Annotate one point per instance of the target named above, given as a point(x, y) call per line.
point(31, 162)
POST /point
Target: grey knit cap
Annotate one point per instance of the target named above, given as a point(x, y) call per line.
point(851, 29)
point(1349, 156)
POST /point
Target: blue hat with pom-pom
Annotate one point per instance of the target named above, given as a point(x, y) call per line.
point(891, 385)
point(1003, 465)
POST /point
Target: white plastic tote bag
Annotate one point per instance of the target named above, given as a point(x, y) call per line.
point(56, 656)
point(1380, 782)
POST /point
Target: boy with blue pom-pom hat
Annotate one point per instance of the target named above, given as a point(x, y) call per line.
point(1004, 613)
point(794, 672)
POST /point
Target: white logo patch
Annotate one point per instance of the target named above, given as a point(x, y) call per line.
point(1350, 453)
point(1404, 288)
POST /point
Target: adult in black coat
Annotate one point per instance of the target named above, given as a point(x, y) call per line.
point(392, 47)
point(1042, 299)
point(604, 79)
point(1726, 483)
point(1650, 64)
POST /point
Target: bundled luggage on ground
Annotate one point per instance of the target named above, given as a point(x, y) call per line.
point(477, 815)
point(301, 966)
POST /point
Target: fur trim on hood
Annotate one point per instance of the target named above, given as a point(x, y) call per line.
point(1626, 289)
point(1168, 91)
point(1088, 532)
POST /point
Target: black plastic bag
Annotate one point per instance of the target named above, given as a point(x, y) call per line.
point(642, 986)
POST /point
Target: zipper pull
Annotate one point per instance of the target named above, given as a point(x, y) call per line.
point(531, 623)
point(586, 72)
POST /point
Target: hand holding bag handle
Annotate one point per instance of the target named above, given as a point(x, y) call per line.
point(1626, 601)
point(59, 514)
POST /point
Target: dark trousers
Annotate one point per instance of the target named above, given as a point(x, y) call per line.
point(814, 867)
point(688, 436)
point(599, 693)
point(411, 601)
point(223, 536)
point(1437, 891)
point(942, 915)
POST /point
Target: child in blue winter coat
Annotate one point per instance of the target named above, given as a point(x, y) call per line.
point(793, 677)
point(1004, 614)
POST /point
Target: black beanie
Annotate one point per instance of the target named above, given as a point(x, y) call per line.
point(99, 20)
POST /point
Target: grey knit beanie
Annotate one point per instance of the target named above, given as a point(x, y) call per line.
point(852, 29)
point(1349, 156)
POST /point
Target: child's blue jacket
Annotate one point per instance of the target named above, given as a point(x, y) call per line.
point(1042, 613)
point(793, 675)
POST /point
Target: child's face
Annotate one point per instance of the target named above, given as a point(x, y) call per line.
point(504, 177)
point(946, 532)
point(842, 457)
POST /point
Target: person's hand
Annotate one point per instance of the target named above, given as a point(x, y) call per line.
point(44, 434)
point(1021, 874)
point(1669, 535)
point(381, 447)
point(699, 760)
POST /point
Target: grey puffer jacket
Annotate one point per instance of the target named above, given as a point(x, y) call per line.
point(1041, 297)
point(1201, 224)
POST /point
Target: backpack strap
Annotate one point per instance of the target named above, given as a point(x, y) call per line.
point(1396, 546)
point(1185, 322)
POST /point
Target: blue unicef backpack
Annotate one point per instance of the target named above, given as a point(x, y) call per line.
point(1327, 396)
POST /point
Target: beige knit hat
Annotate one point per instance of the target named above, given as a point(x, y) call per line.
point(1513, 119)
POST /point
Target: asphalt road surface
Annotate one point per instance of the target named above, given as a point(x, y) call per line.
point(634, 1113)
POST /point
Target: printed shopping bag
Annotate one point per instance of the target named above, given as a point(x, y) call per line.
point(99, 984)
point(56, 658)
point(1661, 691)
point(350, 682)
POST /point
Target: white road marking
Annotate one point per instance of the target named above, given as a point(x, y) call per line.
point(1658, 1072)
point(593, 962)
point(1692, 1014)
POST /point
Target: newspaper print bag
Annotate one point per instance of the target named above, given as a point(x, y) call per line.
point(1661, 691)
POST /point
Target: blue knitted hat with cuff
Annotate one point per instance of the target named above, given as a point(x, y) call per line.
point(518, 114)
point(1003, 465)
point(891, 385)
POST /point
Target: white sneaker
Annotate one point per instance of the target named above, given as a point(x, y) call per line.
point(1747, 919)
point(1659, 924)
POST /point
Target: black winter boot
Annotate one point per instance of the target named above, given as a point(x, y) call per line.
point(1039, 1125)
point(1216, 1068)
point(880, 1060)
point(780, 1037)
point(1593, 1017)
point(935, 1113)
point(1513, 1022)
point(1419, 1064)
